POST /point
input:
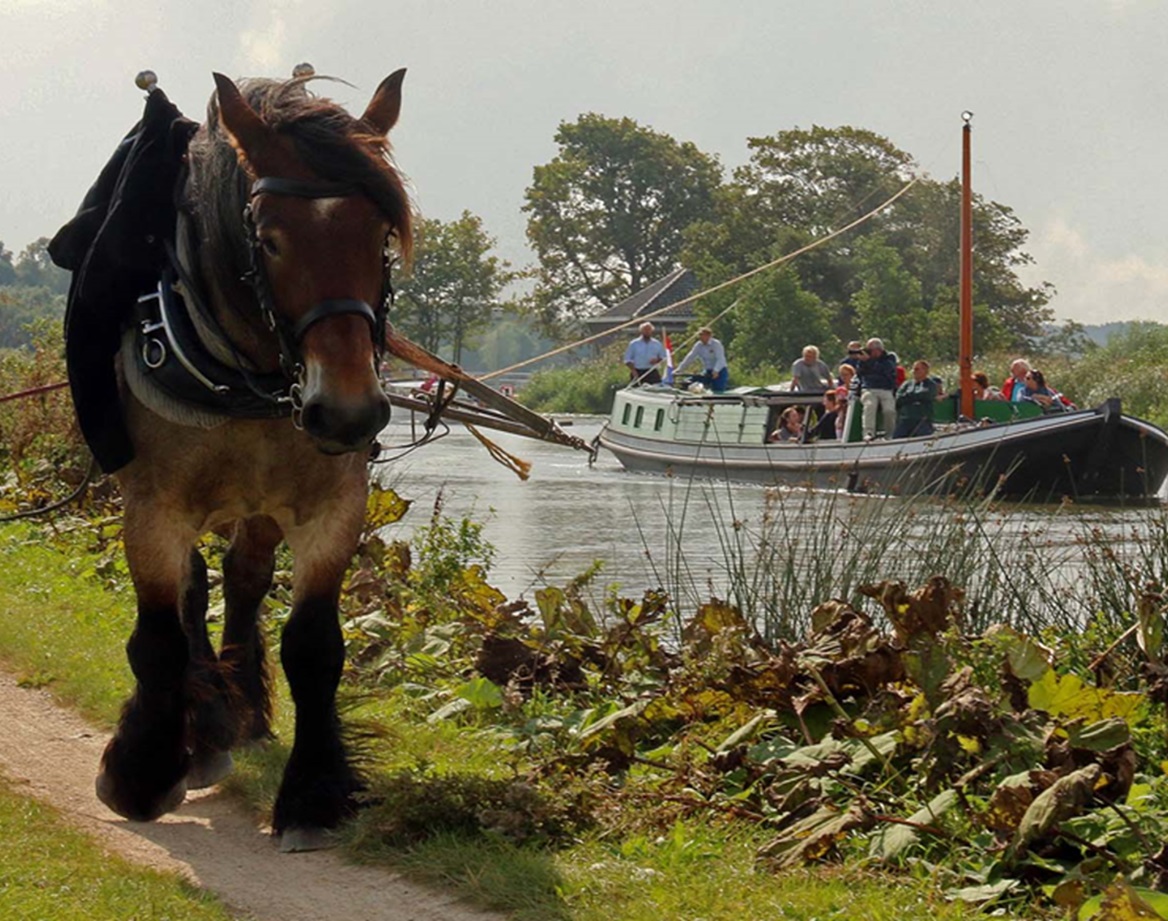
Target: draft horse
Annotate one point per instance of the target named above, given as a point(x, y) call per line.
point(287, 212)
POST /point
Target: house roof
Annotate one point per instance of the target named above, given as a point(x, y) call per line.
point(676, 286)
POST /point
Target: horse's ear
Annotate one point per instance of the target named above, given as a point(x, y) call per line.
point(245, 128)
point(385, 106)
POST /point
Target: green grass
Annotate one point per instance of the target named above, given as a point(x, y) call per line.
point(62, 628)
point(51, 872)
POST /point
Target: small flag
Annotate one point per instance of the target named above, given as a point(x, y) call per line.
point(668, 361)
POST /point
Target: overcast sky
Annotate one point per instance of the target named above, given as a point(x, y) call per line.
point(1069, 98)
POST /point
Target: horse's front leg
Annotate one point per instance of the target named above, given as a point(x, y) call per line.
point(319, 783)
point(145, 763)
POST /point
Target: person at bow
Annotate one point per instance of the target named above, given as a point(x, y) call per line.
point(643, 356)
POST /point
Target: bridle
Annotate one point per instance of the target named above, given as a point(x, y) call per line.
point(289, 334)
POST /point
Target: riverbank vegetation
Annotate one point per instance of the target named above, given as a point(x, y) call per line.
point(917, 712)
point(897, 750)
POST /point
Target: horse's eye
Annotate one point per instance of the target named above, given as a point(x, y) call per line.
point(270, 246)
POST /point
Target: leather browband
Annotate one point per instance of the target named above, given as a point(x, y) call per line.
point(303, 188)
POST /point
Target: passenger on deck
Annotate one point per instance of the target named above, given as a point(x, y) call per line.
point(828, 426)
point(643, 356)
point(1014, 386)
point(709, 351)
point(790, 428)
point(855, 354)
point(982, 389)
point(877, 371)
point(809, 373)
point(1036, 391)
point(915, 402)
point(847, 374)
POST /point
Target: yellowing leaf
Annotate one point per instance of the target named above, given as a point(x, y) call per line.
point(384, 507)
point(1067, 696)
point(1123, 902)
point(969, 744)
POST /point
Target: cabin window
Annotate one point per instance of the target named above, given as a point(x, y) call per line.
point(625, 414)
point(659, 421)
point(638, 417)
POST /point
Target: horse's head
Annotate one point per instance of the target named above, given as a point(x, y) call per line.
point(323, 207)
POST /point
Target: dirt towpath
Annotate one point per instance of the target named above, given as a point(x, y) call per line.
point(52, 755)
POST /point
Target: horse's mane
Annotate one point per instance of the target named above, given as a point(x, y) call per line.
point(331, 142)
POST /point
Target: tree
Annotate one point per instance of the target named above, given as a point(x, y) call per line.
point(800, 184)
point(21, 307)
point(454, 287)
point(7, 269)
point(889, 303)
point(776, 318)
point(35, 269)
point(606, 216)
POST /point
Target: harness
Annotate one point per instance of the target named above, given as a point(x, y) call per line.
point(171, 355)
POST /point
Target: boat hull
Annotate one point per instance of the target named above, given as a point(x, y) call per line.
point(1090, 454)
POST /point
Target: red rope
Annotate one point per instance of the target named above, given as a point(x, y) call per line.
point(34, 391)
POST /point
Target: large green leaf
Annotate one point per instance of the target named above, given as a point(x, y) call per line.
point(892, 839)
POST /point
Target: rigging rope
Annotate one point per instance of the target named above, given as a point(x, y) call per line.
point(637, 321)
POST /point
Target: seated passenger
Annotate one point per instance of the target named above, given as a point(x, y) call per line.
point(915, 403)
point(790, 428)
point(810, 372)
point(847, 374)
point(828, 425)
point(1013, 387)
point(1037, 392)
point(982, 389)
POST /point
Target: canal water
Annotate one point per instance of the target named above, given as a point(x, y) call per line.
point(696, 538)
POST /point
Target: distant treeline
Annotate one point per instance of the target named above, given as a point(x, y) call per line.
point(31, 289)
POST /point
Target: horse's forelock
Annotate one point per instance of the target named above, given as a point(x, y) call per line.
point(331, 142)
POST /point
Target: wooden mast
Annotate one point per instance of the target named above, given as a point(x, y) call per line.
point(965, 341)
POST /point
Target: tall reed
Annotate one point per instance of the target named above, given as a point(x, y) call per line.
point(1033, 567)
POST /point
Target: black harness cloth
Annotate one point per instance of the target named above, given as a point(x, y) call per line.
point(115, 246)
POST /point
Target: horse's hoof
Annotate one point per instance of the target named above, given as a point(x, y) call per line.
point(306, 839)
point(107, 792)
point(207, 770)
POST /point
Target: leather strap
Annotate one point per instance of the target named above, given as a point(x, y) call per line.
point(302, 188)
point(330, 308)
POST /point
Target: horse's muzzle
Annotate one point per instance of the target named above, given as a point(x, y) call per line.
point(341, 427)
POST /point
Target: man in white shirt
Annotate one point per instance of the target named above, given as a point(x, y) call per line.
point(643, 356)
point(709, 351)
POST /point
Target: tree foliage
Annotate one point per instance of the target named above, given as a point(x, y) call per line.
point(34, 269)
point(21, 308)
point(31, 289)
point(453, 290)
point(776, 317)
point(896, 275)
point(607, 215)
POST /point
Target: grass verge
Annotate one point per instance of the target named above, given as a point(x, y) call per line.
point(63, 627)
point(51, 872)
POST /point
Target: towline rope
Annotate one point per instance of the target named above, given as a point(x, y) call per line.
point(637, 321)
point(33, 391)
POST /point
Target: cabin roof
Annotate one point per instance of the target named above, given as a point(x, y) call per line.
point(676, 286)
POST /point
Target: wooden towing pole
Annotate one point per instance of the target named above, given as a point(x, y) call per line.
point(497, 411)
